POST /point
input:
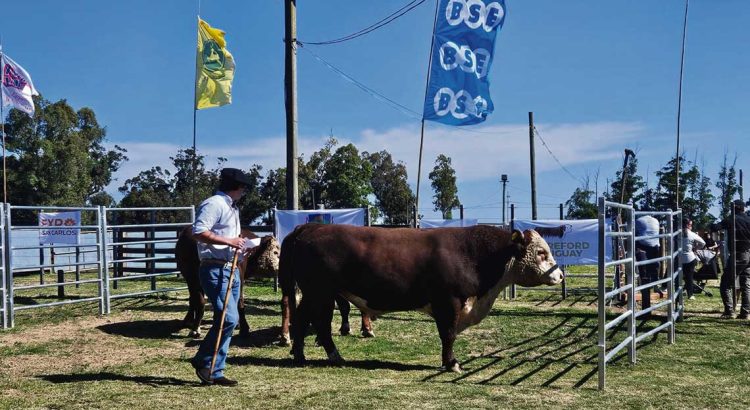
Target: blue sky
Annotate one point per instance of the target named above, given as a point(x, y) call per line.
point(600, 76)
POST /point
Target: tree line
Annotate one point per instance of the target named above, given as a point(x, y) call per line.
point(58, 158)
point(696, 196)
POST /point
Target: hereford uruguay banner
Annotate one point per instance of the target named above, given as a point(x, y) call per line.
point(573, 242)
point(464, 42)
point(57, 227)
point(286, 221)
point(442, 223)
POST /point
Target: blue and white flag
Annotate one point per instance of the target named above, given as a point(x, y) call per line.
point(16, 86)
point(465, 32)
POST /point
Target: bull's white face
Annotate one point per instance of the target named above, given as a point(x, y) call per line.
point(537, 265)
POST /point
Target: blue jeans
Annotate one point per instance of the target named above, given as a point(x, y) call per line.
point(214, 280)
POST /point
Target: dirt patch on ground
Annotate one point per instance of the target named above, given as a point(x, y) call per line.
point(82, 345)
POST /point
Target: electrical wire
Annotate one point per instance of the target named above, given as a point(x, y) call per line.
point(544, 143)
point(394, 104)
point(369, 29)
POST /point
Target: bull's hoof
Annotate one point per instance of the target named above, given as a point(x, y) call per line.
point(195, 334)
point(285, 340)
point(335, 359)
point(299, 360)
point(367, 333)
point(454, 367)
point(345, 330)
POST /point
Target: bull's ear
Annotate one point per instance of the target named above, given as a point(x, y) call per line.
point(517, 237)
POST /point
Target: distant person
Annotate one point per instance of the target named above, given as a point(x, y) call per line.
point(217, 230)
point(690, 243)
point(647, 225)
point(741, 227)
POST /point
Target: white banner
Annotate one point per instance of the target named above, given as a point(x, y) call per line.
point(443, 223)
point(56, 227)
point(573, 242)
point(286, 220)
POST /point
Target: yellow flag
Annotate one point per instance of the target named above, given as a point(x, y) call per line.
point(215, 68)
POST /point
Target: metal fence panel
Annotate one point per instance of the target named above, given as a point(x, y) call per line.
point(118, 262)
point(626, 239)
point(19, 245)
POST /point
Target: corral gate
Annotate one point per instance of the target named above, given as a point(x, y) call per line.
point(625, 237)
point(93, 254)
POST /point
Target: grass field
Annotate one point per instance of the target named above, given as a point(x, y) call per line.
point(538, 351)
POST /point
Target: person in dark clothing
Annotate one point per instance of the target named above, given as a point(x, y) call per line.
point(741, 228)
point(647, 248)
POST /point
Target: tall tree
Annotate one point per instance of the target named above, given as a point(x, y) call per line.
point(727, 184)
point(443, 178)
point(57, 157)
point(312, 175)
point(579, 205)
point(150, 188)
point(665, 188)
point(273, 191)
point(347, 179)
point(393, 196)
point(192, 181)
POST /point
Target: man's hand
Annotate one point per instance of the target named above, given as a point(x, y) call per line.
point(238, 243)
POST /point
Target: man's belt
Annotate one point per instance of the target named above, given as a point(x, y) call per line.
point(213, 261)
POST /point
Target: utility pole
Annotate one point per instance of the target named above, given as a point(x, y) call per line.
point(290, 92)
point(533, 166)
point(504, 180)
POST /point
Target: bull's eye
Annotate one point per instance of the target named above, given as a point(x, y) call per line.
point(541, 255)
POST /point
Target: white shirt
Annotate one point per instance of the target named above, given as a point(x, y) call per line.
point(691, 242)
point(216, 214)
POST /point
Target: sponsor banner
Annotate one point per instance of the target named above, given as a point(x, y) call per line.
point(287, 220)
point(57, 227)
point(573, 242)
point(443, 223)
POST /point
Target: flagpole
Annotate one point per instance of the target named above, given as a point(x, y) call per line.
point(679, 109)
point(2, 122)
point(421, 134)
point(195, 111)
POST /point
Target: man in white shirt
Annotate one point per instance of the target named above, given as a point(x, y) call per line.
point(217, 230)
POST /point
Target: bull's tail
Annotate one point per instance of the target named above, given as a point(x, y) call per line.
point(287, 283)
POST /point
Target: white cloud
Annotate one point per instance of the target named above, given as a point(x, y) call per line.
point(477, 153)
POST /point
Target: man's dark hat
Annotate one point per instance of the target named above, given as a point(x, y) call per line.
point(236, 175)
point(738, 203)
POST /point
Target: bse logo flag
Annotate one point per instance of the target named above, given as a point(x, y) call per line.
point(465, 32)
point(59, 227)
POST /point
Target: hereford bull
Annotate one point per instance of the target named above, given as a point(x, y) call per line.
point(452, 274)
point(260, 261)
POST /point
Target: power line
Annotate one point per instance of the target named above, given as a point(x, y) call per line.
point(369, 29)
point(544, 143)
point(394, 104)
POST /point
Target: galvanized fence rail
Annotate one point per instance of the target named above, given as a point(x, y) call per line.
point(626, 238)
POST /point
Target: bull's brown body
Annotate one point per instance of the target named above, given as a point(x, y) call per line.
point(453, 274)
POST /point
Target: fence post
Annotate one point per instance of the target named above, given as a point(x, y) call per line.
point(4, 278)
point(630, 253)
point(512, 218)
point(9, 263)
point(151, 250)
point(41, 262)
point(669, 242)
point(680, 281)
point(101, 240)
point(61, 282)
point(78, 267)
point(562, 268)
point(602, 290)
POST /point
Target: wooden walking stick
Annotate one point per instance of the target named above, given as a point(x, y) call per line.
point(224, 311)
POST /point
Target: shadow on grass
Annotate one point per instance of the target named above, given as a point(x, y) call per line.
point(353, 364)
point(145, 329)
point(106, 376)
